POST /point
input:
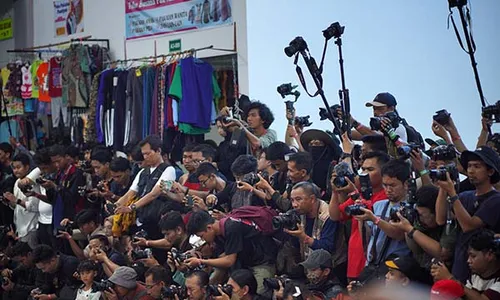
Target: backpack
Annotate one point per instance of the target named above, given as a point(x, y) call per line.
point(413, 136)
point(260, 217)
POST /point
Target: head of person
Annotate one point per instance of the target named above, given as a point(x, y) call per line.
point(318, 266)
point(395, 175)
point(59, 157)
point(99, 242)
point(305, 197)
point(242, 165)
point(244, 284)
point(137, 157)
point(151, 150)
point(87, 221)
point(45, 259)
point(157, 278)
point(204, 153)
point(258, 115)
point(196, 283)
point(6, 152)
point(482, 165)
point(119, 169)
point(100, 161)
point(447, 289)
point(73, 154)
point(87, 271)
point(21, 253)
point(44, 162)
point(426, 206)
point(187, 157)
point(372, 165)
point(21, 165)
point(262, 162)
point(382, 104)
point(173, 228)
point(484, 253)
point(373, 143)
point(202, 224)
point(207, 175)
point(299, 166)
point(124, 280)
point(276, 154)
point(321, 144)
point(443, 155)
point(402, 271)
point(165, 154)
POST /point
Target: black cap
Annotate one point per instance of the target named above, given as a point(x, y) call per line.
point(488, 156)
point(406, 265)
point(382, 99)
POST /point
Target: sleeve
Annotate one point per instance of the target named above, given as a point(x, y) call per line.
point(488, 211)
point(135, 184)
point(34, 174)
point(167, 175)
point(234, 238)
point(225, 195)
point(268, 138)
point(327, 238)
point(25, 288)
point(493, 292)
point(282, 203)
point(32, 204)
point(216, 90)
point(175, 90)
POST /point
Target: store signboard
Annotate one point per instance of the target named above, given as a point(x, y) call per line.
point(174, 46)
point(6, 31)
point(152, 17)
point(68, 17)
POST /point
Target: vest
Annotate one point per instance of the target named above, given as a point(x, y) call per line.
point(147, 181)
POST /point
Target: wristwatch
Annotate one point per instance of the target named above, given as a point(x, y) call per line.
point(133, 207)
point(411, 233)
point(453, 199)
point(355, 124)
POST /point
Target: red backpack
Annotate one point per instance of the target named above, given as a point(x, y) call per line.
point(260, 217)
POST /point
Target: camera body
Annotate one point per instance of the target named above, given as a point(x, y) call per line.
point(356, 285)
point(251, 179)
point(444, 152)
point(492, 112)
point(171, 291)
point(324, 115)
point(407, 210)
point(296, 45)
point(213, 290)
point(342, 170)
point(273, 283)
point(26, 188)
point(366, 186)
point(440, 173)
point(102, 286)
point(288, 220)
point(68, 228)
point(140, 234)
point(405, 150)
point(442, 117)
point(179, 256)
point(355, 210)
point(376, 122)
point(303, 121)
point(285, 89)
point(333, 31)
point(138, 254)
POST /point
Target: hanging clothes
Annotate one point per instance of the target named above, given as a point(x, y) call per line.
point(119, 108)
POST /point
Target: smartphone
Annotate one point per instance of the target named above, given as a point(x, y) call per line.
point(190, 201)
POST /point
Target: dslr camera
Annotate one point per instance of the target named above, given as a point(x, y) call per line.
point(273, 283)
point(333, 31)
point(407, 210)
point(376, 122)
point(492, 112)
point(303, 121)
point(288, 220)
point(404, 151)
point(171, 291)
point(342, 170)
point(26, 188)
point(442, 117)
point(355, 210)
point(138, 254)
point(213, 290)
point(324, 115)
point(179, 256)
point(68, 228)
point(439, 174)
point(140, 234)
point(102, 286)
point(287, 89)
point(296, 45)
point(251, 179)
point(444, 152)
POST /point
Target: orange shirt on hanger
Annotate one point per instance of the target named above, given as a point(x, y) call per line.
point(43, 82)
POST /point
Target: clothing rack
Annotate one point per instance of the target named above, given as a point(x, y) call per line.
point(77, 40)
point(145, 58)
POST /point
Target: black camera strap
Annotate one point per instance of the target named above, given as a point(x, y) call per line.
point(298, 69)
point(459, 38)
point(373, 250)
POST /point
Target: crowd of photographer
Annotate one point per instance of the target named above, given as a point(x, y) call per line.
point(256, 218)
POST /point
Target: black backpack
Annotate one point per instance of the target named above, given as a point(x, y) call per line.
point(412, 135)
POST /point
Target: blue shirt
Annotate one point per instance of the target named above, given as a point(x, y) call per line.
point(395, 247)
point(327, 235)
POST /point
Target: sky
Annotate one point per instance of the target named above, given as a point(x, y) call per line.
point(401, 47)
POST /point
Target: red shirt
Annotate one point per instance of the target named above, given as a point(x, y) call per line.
point(356, 258)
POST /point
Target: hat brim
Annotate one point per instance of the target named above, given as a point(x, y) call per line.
point(431, 142)
point(308, 265)
point(472, 155)
point(375, 104)
point(315, 134)
point(391, 265)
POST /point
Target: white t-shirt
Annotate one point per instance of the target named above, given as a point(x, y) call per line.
point(490, 287)
point(26, 219)
point(44, 208)
point(87, 295)
point(168, 174)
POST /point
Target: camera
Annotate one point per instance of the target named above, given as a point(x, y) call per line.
point(444, 152)
point(213, 290)
point(102, 286)
point(296, 45)
point(407, 210)
point(492, 112)
point(376, 122)
point(342, 170)
point(356, 285)
point(442, 117)
point(457, 3)
point(303, 121)
point(355, 210)
point(334, 30)
point(288, 220)
point(251, 179)
point(140, 234)
point(404, 151)
point(440, 173)
point(101, 186)
point(179, 256)
point(273, 283)
point(366, 186)
point(4, 280)
point(26, 188)
point(68, 228)
point(171, 291)
point(141, 254)
point(286, 89)
point(324, 115)
point(46, 177)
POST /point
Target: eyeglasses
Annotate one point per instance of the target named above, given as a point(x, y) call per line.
point(204, 182)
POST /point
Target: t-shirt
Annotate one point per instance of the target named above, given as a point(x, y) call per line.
point(168, 174)
point(26, 87)
point(34, 77)
point(490, 287)
point(252, 247)
point(5, 73)
point(43, 82)
point(55, 78)
point(87, 295)
point(268, 138)
point(486, 208)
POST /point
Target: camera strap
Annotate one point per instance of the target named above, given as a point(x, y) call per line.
point(468, 19)
point(301, 77)
point(373, 250)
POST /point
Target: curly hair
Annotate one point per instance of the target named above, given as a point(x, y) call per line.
point(264, 112)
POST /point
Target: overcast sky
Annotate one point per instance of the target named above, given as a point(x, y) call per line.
point(403, 47)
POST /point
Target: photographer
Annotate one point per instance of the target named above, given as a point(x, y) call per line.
point(100, 161)
point(196, 284)
point(443, 130)
point(126, 286)
point(157, 278)
point(119, 169)
point(242, 245)
point(21, 280)
point(318, 268)
point(259, 118)
point(276, 153)
point(373, 143)
point(475, 210)
point(340, 201)
point(25, 206)
point(264, 166)
point(244, 286)
point(101, 250)
point(385, 238)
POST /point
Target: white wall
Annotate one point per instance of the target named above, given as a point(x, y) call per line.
point(106, 19)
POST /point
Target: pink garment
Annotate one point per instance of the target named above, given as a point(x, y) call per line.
point(27, 84)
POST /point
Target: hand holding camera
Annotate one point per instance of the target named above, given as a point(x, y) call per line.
point(402, 223)
point(10, 197)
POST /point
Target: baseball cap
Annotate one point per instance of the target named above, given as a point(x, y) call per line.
point(125, 277)
point(435, 143)
point(485, 154)
point(406, 265)
point(318, 259)
point(382, 99)
point(446, 290)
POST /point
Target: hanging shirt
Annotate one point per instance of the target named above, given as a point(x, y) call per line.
point(43, 82)
point(55, 78)
point(35, 85)
point(5, 73)
point(27, 82)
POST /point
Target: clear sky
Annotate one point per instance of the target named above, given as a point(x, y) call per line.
point(403, 47)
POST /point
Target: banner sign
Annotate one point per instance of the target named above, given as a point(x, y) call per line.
point(6, 29)
point(151, 17)
point(68, 17)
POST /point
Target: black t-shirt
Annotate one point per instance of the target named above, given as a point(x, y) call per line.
point(252, 247)
point(232, 197)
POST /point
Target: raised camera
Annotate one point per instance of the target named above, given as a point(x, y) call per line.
point(179, 256)
point(407, 210)
point(303, 121)
point(141, 254)
point(274, 283)
point(492, 112)
point(213, 290)
point(296, 45)
point(140, 234)
point(442, 117)
point(288, 220)
point(251, 179)
point(342, 170)
point(324, 115)
point(404, 151)
point(439, 174)
point(444, 152)
point(334, 30)
point(376, 122)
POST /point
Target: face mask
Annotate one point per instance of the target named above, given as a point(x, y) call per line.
point(317, 151)
point(313, 278)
